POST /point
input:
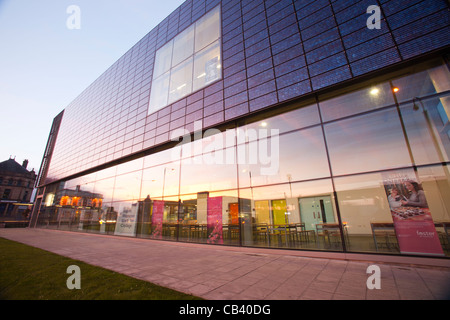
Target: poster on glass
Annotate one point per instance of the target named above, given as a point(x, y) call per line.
point(413, 222)
point(126, 221)
point(157, 219)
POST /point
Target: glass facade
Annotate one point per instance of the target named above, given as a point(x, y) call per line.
point(365, 169)
point(188, 62)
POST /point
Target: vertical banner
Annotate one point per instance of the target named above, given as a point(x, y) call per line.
point(157, 218)
point(234, 213)
point(279, 212)
point(413, 223)
point(126, 221)
point(214, 220)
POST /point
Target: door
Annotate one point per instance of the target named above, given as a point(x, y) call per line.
point(314, 210)
point(279, 212)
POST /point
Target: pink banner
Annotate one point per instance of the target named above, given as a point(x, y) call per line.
point(157, 218)
point(415, 231)
point(214, 220)
point(413, 223)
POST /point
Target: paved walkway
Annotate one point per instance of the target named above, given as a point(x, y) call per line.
point(230, 273)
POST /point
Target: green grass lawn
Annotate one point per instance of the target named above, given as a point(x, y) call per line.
point(28, 273)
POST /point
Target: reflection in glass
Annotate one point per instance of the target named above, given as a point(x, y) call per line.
point(202, 173)
point(183, 46)
point(381, 216)
point(288, 121)
point(428, 132)
point(362, 201)
point(85, 181)
point(218, 199)
point(106, 173)
point(293, 162)
point(294, 215)
point(157, 218)
point(211, 141)
point(75, 208)
point(127, 186)
point(207, 66)
point(180, 81)
point(106, 188)
point(169, 155)
point(163, 60)
point(419, 84)
point(436, 184)
point(160, 91)
point(161, 181)
point(366, 99)
point(175, 61)
point(130, 166)
point(207, 29)
point(210, 217)
point(366, 143)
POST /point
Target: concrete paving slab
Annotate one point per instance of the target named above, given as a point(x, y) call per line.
point(239, 273)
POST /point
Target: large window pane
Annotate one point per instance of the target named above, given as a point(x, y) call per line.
point(183, 46)
point(294, 215)
point(418, 84)
point(369, 142)
point(207, 29)
point(289, 121)
point(106, 173)
point(160, 181)
point(207, 66)
point(436, 183)
point(127, 186)
point(130, 166)
point(181, 81)
point(200, 45)
point(359, 101)
point(212, 140)
point(157, 218)
point(160, 92)
point(163, 60)
point(210, 217)
point(300, 155)
point(362, 201)
point(204, 173)
point(80, 181)
point(428, 130)
point(165, 156)
point(105, 188)
point(383, 214)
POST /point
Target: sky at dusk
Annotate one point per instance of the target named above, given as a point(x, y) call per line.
point(44, 65)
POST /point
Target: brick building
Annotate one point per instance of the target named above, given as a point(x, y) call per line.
point(16, 188)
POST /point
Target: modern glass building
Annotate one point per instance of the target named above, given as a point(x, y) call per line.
point(285, 124)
